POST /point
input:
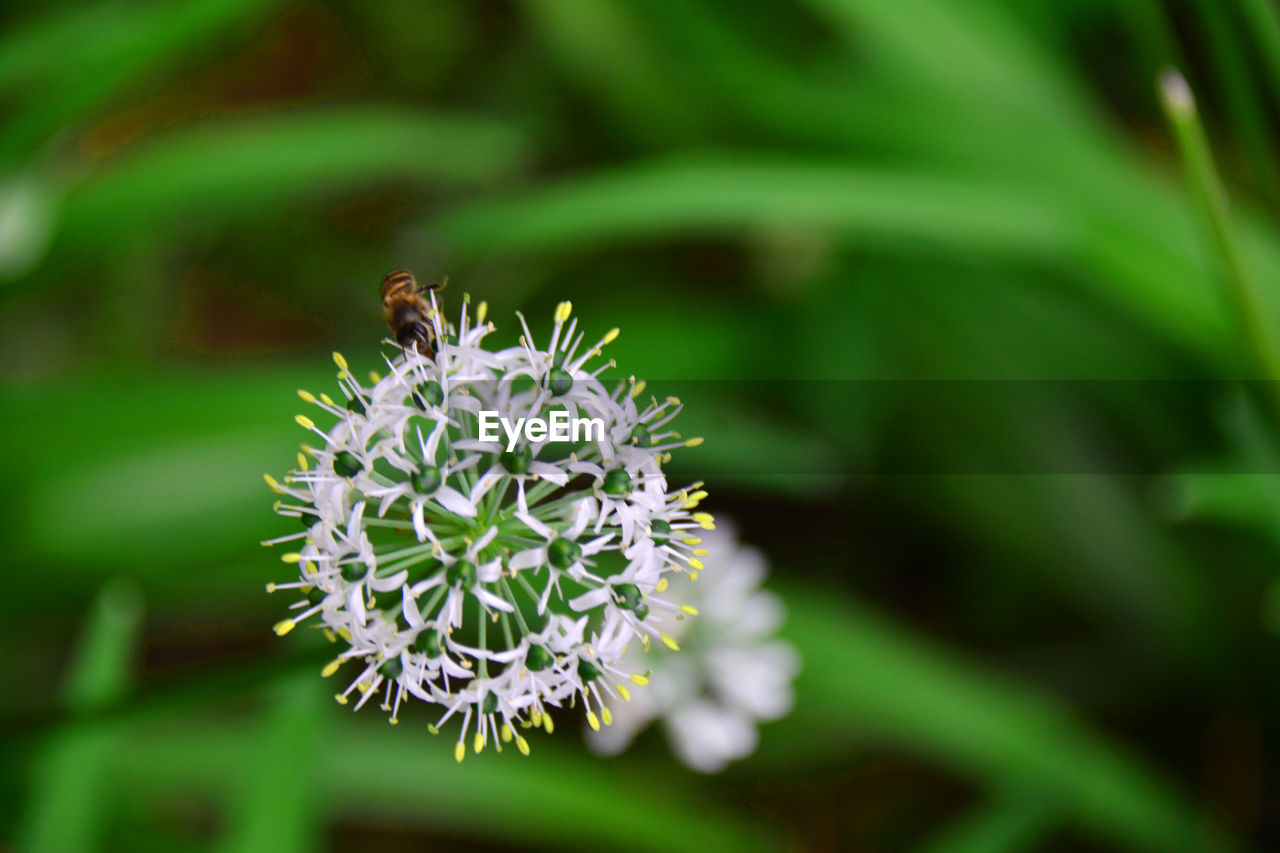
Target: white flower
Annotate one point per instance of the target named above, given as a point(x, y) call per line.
point(494, 583)
point(731, 672)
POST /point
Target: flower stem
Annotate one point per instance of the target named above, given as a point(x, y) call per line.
point(1243, 290)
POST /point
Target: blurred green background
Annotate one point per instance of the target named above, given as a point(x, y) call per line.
point(1036, 596)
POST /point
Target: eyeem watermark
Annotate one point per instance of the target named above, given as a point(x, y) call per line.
point(559, 427)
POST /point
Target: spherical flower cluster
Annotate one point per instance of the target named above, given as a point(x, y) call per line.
point(732, 672)
point(494, 581)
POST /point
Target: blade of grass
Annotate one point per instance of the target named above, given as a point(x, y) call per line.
point(377, 774)
point(867, 677)
point(1007, 824)
point(67, 801)
point(67, 66)
point(250, 165)
point(1263, 19)
point(276, 809)
point(728, 194)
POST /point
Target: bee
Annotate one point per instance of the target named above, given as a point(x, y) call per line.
point(408, 314)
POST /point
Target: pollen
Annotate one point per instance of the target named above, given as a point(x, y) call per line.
point(694, 442)
point(339, 360)
point(522, 745)
point(307, 396)
point(690, 609)
point(670, 642)
point(290, 558)
point(637, 389)
point(482, 311)
point(611, 336)
point(273, 484)
point(593, 721)
point(330, 668)
point(638, 679)
point(305, 422)
point(460, 752)
point(283, 627)
point(563, 310)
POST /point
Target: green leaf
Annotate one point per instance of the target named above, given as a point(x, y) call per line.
point(67, 802)
point(730, 194)
point(866, 677)
point(404, 777)
point(276, 807)
point(1009, 823)
point(226, 168)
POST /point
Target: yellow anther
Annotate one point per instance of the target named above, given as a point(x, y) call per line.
point(307, 396)
point(536, 717)
point(611, 336)
point(364, 686)
point(330, 668)
point(522, 744)
point(393, 721)
point(478, 744)
point(340, 361)
point(344, 634)
point(563, 310)
point(693, 576)
point(606, 716)
point(691, 540)
point(460, 751)
point(432, 728)
point(305, 422)
point(507, 734)
point(705, 520)
point(662, 585)
point(694, 442)
point(700, 552)
point(644, 642)
point(670, 642)
point(637, 389)
point(271, 588)
point(375, 377)
point(290, 558)
point(624, 693)
point(302, 461)
point(697, 564)
point(673, 401)
point(547, 724)
point(275, 486)
point(309, 568)
point(482, 311)
point(340, 699)
point(330, 636)
point(593, 721)
point(327, 400)
point(637, 678)
point(698, 495)
point(283, 627)
point(690, 609)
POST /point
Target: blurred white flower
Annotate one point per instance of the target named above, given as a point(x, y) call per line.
point(494, 583)
point(731, 673)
